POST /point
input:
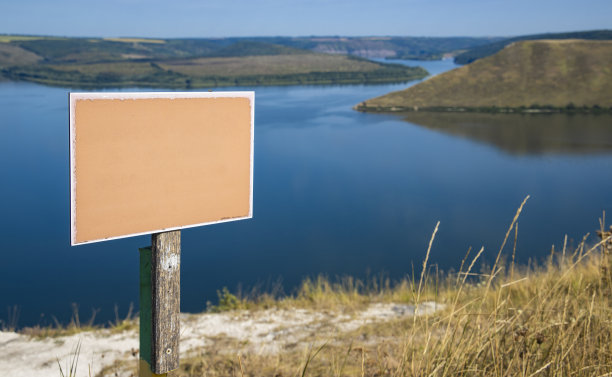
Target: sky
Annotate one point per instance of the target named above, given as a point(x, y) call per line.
point(231, 18)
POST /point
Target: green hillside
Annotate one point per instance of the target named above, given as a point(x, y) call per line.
point(562, 75)
point(183, 63)
point(482, 51)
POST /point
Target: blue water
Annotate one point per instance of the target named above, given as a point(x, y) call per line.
point(336, 192)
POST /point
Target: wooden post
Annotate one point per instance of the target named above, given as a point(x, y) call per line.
point(160, 304)
point(165, 303)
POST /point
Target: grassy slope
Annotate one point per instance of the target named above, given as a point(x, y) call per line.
point(188, 63)
point(551, 319)
point(504, 320)
point(540, 73)
point(484, 50)
point(267, 65)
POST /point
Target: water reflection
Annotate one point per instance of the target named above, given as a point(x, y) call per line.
point(525, 134)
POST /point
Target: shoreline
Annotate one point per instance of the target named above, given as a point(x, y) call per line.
point(172, 80)
point(363, 107)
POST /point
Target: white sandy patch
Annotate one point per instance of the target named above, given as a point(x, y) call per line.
point(23, 356)
point(266, 331)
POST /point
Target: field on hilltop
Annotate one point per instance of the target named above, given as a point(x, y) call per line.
point(269, 65)
point(543, 75)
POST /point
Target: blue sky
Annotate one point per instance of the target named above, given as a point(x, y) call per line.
point(223, 18)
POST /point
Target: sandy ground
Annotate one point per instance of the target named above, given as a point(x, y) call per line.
point(263, 331)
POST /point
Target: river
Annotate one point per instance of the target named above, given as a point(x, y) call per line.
point(336, 192)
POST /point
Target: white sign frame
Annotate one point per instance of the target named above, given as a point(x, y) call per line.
point(76, 96)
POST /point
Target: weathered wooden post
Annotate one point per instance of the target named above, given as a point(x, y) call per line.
point(165, 300)
point(160, 304)
point(198, 146)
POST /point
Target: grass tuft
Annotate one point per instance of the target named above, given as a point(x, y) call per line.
point(71, 366)
point(75, 326)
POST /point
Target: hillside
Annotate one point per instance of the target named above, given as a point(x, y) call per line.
point(562, 75)
point(183, 63)
point(482, 51)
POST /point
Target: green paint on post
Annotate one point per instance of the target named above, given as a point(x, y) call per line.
point(146, 317)
point(145, 304)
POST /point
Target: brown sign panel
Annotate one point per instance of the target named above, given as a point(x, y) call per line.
point(150, 162)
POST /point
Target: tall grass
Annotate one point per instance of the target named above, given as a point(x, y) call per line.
point(76, 326)
point(551, 319)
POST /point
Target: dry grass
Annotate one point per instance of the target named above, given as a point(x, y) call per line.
point(76, 326)
point(269, 65)
point(547, 320)
point(552, 319)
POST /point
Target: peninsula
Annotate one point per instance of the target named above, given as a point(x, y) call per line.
point(526, 76)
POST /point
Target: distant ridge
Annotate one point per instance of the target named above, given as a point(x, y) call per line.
point(420, 48)
point(482, 51)
point(528, 76)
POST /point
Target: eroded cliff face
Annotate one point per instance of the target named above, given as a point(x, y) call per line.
point(371, 53)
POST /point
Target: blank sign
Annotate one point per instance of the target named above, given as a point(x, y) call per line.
point(150, 162)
